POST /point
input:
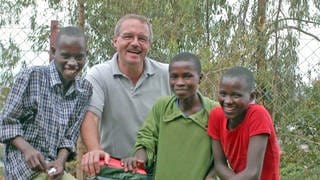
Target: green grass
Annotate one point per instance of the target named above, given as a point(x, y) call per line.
point(295, 171)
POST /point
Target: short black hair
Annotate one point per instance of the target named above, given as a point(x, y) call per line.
point(187, 56)
point(241, 72)
point(70, 31)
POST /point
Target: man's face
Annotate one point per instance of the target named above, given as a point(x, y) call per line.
point(133, 41)
point(69, 56)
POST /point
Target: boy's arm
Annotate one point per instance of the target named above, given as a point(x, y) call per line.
point(145, 146)
point(147, 136)
point(137, 161)
point(59, 164)
point(220, 162)
point(73, 127)
point(13, 110)
point(211, 175)
point(34, 158)
point(63, 156)
point(255, 157)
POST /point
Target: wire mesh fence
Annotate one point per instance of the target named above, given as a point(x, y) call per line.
point(295, 108)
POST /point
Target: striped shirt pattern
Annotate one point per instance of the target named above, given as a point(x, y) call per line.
point(38, 110)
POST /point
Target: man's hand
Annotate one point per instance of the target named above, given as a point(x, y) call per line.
point(91, 161)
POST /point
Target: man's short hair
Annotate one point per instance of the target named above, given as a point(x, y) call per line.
point(141, 18)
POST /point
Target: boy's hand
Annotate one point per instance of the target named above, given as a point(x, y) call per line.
point(55, 170)
point(35, 159)
point(131, 164)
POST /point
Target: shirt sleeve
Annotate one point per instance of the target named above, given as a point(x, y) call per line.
point(147, 136)
point(260, 121)
point(98, 97)
point(13, 111)
point(214, 123)
point(72, 133)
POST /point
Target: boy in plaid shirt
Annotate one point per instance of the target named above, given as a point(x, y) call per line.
point(41, 118)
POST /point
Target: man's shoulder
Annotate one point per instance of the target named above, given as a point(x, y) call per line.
point(158, 65)
point(100, 69)
point(103, 65)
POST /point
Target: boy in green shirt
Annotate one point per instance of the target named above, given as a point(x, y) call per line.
point(173, 139)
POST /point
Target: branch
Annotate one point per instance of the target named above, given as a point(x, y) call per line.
point(298, 29)
point(296, 19)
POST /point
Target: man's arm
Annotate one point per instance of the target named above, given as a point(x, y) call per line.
point(90, 137)
point(89, 131)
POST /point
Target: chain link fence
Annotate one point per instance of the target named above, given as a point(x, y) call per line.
point(296, 114)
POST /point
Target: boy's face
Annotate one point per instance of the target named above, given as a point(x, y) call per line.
point(234, 97)
point(184, 79)
point(69, 56)
point(133, 42)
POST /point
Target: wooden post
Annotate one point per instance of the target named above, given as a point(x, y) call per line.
point(53, 33)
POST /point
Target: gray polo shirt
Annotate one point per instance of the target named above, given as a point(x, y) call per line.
point(121, 106)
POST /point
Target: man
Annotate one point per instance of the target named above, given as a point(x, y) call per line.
point(41, 118)
point(124, 90)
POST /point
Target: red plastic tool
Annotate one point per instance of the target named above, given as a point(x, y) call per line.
point(116, 163)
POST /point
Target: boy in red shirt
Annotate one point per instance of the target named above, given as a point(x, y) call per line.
point(243, 133)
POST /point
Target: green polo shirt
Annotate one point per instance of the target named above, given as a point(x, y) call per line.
point(177, 145)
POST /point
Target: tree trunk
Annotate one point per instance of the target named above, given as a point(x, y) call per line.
point(81, 149)
point(261, 49)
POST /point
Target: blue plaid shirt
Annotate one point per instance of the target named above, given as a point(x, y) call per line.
point(38, 110)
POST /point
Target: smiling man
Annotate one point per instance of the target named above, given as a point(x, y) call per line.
point(124, 90)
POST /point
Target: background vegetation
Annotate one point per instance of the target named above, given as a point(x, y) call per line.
point(261, 35)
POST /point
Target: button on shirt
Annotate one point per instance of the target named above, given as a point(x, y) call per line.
point(38, 110)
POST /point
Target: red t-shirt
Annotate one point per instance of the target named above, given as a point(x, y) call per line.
point(235, 142)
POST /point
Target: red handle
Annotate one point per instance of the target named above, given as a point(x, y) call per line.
point(116, 163)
